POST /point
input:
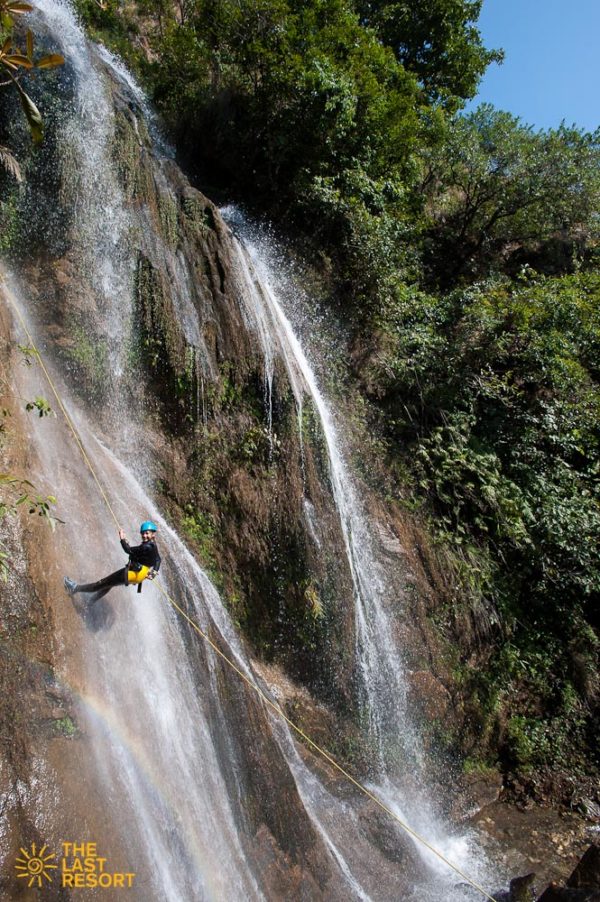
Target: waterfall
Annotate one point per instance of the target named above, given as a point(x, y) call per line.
point(382, 679)
point(166, 722)
point(401, 779)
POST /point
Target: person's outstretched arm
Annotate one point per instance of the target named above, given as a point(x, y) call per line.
point(124, 543)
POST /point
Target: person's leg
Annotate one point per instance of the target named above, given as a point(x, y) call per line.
point(118, 578)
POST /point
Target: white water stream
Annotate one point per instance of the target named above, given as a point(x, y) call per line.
point(161, 743)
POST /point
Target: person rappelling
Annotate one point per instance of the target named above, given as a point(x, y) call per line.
point(144, 563)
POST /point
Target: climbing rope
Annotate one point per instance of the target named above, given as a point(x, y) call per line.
point(195, 626)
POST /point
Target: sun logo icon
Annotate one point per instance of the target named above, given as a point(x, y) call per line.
point(35, 865)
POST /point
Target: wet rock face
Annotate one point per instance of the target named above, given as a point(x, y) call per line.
point(584, 883)
point(475, 791)
point(429, 696)
point(26, 658)
point(234, 471)
point(40, 739)
point(520, 890)
point(244, 472)
point(275, 827)
point(582, 886)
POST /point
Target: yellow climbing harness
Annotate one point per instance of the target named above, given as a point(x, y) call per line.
point(138, 576)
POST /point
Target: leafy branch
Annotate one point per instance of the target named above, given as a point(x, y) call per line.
point(16, 493)
point(14, 64)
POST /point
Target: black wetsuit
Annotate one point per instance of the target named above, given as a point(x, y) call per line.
point(144, 555)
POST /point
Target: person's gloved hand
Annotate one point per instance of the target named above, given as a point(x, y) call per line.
point(152, 574)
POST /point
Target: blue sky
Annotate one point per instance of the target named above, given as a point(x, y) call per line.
point(551, 69)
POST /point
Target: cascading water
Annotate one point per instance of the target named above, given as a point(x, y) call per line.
point(163, 736)
point(271, 293)
point(383, 683)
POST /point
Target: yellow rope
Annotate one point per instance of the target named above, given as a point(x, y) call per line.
point(269, 702)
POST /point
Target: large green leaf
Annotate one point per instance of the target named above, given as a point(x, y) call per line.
point(32, 114)
point(18, 7)
point(50, 61)
point(17, 59)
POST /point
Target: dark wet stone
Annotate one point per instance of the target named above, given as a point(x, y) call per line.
point(521, 888)
point(587, 872)
point(556, 893)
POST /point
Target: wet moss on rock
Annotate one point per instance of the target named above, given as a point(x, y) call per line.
point(168, 217)
point(126, 151)
point(87, 358)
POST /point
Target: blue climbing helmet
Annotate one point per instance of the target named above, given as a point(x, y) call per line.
point(148, 526)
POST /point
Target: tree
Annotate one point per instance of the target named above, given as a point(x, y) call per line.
point(437, 40)
point(494, 183)
point(274, 94)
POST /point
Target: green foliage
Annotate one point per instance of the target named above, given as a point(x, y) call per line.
point(21, 492)
point(466, 477)
point(14, 62)
point(478, 767)
point(30, 354)
point(493, 392)
point(113, 24)
point(258, 445)
point(276, 94)
point(17, 492)
point(314, 603)
point(315, 112)
point(90, 356)
point(228, 392)
point(492, 403)
point(65, 726)
point(302, 111)
point(200, 528)
point(41, 405)
point(493, 184)
point(436, 39)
